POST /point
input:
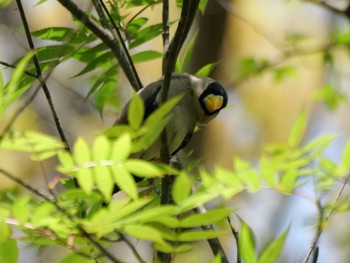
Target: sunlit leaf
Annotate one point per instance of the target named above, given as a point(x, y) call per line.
point(182, 188)
point(247, 243)
point(136, 111)
point(169, 248)
point(21, 209)
point(196, 235)
point(103, 180)
point(206, 70)
point(298, 130)
point(207, 218)
point(11, 91)
point(121, 148)
point(61, 34)
point(331, 96)
point(125, 181)
point(144, 233)
point(144, 56)
point(346, 156)
point(142, 168)
point(9, 251)
point(72, 258)
point(5, 232)
point(274, 249)
point(85, 179)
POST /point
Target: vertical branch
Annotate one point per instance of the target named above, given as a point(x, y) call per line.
point(39, 75)
point(99, 4)
point(165, 29)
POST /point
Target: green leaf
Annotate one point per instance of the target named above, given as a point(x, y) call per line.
point(104, 93)
point(102, 61)
point(121, 148)
point(247, 243)
point(282, 73)
point(41, 214)
point(251, 66)
point(170, 249)
point(195, 235)
point(66, 162)
point(104, 181)
point(202, 5)
point(101, 148)
point(331, 96)
point(21, 209)
point(136, 24)
point(156, 214)
point(5, 3)
point(319, 143)
point(13, 89)
point(9, 251)
point(144, 233)
point(346, 156)
point(125, 181)
point(5, 232)
point(188, 53)
point(217, 258)
point(162, 111)
point(82, 153)
point(41, 146)
point(206, 70)
point(144, 56)
point(144, 35)
point(298, 130)
point(74, 258)
point(182, 188)
point(142, 168)
point(196, 199)
point(85, 179)
point(62, 34)
point(136, 111)
point(207, 218)
point(274, 249)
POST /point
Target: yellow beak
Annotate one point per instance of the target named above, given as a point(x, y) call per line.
point(213, 102)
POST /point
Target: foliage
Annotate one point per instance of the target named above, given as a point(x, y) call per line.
point(87, 220)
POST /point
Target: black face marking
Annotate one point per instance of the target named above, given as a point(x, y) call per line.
point(215, 89)
point(151, 104)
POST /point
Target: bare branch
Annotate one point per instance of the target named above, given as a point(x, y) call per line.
point(39, 75)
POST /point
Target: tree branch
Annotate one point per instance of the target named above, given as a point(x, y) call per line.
point(39, 75)
point(105, 38)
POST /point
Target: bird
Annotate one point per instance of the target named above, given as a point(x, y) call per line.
point(202, 100)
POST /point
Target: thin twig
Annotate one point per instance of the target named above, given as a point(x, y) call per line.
point(214, 243)
point(236, 236)
point(39, 75)
point(12, 66)
point(121, 41)
point(105, 38)
point(320, 227)
point(131, 246)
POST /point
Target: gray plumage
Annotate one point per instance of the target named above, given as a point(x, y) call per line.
point(189, 112)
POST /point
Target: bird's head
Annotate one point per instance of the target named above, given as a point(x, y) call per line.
point(212, 98)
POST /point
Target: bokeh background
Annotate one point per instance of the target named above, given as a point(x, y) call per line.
point(288, 34)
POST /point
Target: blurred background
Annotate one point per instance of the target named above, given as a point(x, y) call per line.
point(271, 61)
